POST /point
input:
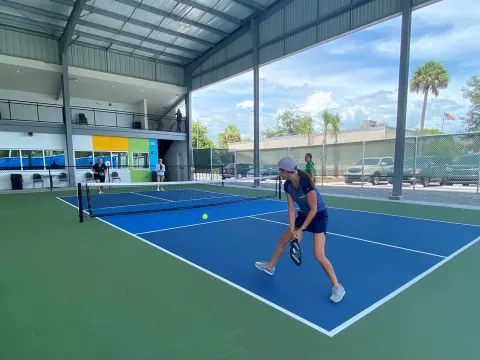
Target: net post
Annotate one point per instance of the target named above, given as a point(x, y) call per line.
point(50, 178)
point(80, 202)
point(89, 203)
point(279, 187)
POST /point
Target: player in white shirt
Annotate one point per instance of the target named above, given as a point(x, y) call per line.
point(160, 173)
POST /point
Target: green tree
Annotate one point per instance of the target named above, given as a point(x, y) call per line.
point(472, 93)
point(429, 77)
point(381, 123)
point(289, 123)
point(229, 134)
point(200, 138)
point(431, 131)
point(446, 148)
point(331, 124)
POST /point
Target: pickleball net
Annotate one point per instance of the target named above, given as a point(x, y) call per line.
point(129, 198)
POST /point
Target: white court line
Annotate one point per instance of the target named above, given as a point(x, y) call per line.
point(149, 196)
point(391, 215)
point(359, 239)
point(248, 292)
point(331, 333)
point(406, 217)
point(208, 222)
point(399, 290)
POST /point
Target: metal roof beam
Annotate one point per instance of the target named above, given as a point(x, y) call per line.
point(34, 10)
point(275, 7)
point(18, 23)
point(105, 28)
point(168, 15)
point(137, 37)
point(211, 11)
point(199, 61)
point(93, 46)
point(66, 37)
point(19, 19)
point(116, 16)
point(252, 5)
point(130, 46)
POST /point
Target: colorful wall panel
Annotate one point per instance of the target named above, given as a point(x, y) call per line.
point(139, 146)
point(110, 143)
point(153, 154)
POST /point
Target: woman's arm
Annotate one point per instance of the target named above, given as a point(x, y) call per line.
point(291, 212)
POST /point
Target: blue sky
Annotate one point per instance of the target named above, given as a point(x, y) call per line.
point(356, 75)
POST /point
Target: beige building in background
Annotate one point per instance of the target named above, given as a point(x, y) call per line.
point(349, 136)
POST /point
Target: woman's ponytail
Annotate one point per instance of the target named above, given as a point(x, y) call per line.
point(303, 174)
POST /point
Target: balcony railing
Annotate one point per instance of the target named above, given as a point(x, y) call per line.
point(86, 116)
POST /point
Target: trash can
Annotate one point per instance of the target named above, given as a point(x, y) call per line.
point(154, 176)
point(17, 181)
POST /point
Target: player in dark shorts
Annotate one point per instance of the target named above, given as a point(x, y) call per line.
point(312, 217)
point(99, 171)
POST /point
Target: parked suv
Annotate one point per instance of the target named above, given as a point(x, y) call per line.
point(242, 170)
point(463, 171)
point(375, 169)
point(265, 170)
point(427, 169)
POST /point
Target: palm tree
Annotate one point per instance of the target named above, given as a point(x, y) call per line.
point(331, 124)
point(335, 128)
point(429, 77)
point(326, 121)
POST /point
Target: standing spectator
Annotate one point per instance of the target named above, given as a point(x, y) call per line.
point(160, 173)
point(310, 168)
point(178, 114)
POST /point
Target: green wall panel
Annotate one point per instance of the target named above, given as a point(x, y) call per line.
point(138, 145)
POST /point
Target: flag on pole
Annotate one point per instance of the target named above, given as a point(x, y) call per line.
point(447, 116)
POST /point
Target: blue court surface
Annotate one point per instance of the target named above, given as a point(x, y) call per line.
point(375, 256)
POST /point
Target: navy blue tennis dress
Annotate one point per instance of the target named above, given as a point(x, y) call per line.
point(320, 221)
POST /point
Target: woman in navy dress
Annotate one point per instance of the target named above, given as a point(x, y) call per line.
point(312, 217)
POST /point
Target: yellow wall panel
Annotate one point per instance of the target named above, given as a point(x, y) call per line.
point(101, 142)
point(118, 143)
point(109, 143)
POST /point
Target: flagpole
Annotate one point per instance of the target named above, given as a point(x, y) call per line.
point(443, 122)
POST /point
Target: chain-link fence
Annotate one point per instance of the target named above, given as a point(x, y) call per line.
point(432, 160)
point(213, 164)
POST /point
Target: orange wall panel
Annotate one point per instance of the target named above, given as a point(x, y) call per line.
point(109, 143)
point(118, 143)
point(101, 142)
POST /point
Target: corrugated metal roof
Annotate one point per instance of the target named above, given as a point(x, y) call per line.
point(176, 31)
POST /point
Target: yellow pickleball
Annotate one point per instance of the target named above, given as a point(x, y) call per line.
point(204, 216)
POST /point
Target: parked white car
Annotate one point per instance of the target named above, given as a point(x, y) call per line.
point(375, 169)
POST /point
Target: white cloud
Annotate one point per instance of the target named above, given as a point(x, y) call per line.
point(317, 102)
point(350, 78)
point(453, 44)
point(247, 104)
point(343, 47)
point(448, 12)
